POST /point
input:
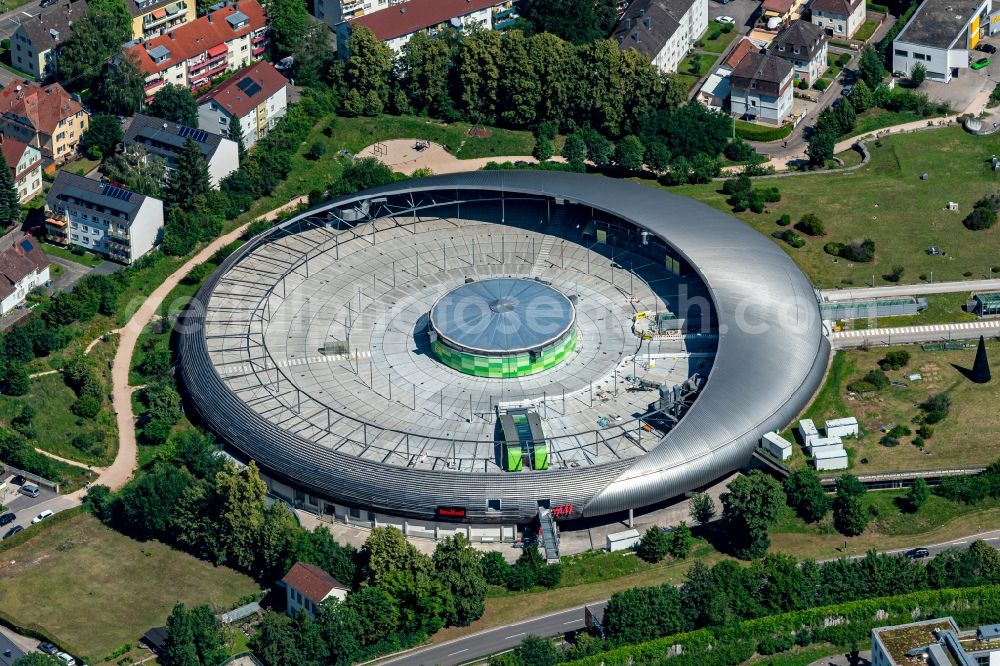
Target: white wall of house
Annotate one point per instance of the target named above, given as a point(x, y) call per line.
point(146, 230)
point(296, 601)
point(30, 182)
point(23, 288)
point(807, 70)
point(225, 161)
point(692, 25)
point(766, 108)
point(481, 17)
point(255, 125)
point(839, 25)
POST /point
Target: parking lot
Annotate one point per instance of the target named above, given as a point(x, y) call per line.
point(22, 506)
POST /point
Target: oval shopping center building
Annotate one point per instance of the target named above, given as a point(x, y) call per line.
point(468, 351)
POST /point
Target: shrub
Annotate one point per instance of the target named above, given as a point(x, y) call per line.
point(739, 151)
point(769, 194)
point(821, 84)
point(316, 151)
point(900, 431)
point(984, 214)
point(802, 84)
point(889, 441)
point(894, 360)
point(811, 225)
point(895, 274)
point(790, 237)
point(836, 249)
point(843, 59)
point(874, 380)
point(785, 220)
point(86, 406)
point(936, 408)
point(925, 431)
point(860, 251)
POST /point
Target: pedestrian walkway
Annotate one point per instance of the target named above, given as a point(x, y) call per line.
point(936, 330)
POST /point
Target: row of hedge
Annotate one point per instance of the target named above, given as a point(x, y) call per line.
point(752, 132)
point(841, 624)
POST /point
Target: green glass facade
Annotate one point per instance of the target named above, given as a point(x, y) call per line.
point(505, 367)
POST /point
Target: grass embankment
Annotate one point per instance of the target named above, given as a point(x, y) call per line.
point(969, 436)
point(888, 202)
point(93, 589)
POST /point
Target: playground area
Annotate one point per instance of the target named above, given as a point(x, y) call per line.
point(409, 155)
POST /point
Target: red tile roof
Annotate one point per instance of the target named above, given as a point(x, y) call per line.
point(13, 151)
point(780, 7)
point(232, 95)
point(43, 107)
point(841, 7)
point(409, 17)
point(744, 47)
point(311, 581)
point(191, 39)
point(18, 262)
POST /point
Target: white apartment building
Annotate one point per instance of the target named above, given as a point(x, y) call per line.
point(257, 95)
point(940, 36)
point(23, 267)
point(165, 139)
point(662, 30)
point(102, 218)
point(25, 162)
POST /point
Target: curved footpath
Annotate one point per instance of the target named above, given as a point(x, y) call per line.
point(118, 473)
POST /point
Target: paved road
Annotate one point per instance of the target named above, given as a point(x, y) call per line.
point(493, 641)
point(894, 291)
point(914, 334)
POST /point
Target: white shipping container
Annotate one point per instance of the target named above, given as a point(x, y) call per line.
point(847, 427)
point(807, 431)
point(623, 540)
point(830, 457)
point(776, 445)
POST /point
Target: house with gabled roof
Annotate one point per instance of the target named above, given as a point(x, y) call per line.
point(23, 267)
point(257, 96)
point(761, 88)
point(307, 586)
point(804, 45)
point(34, 44)
point(45, 117)
point(838, 18)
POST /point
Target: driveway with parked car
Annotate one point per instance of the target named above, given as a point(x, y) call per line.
point(22, 501)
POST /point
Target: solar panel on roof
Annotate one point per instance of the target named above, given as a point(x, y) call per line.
point(195, 134)
point(116, 193)
point(249, 86)
point(26, 245)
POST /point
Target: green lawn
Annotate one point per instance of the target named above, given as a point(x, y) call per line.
point(969, 436)
point(888, 202)
point(941, 309)
point(86, 259)
point(717, 41)
point(93, 589)
point(850, 157)
point(866, 30)
point(876, 119)
point(696, 64)
point(81, 166)
point(56, 425)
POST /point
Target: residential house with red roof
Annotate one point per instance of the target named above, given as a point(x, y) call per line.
point(307, 586)
point(43, 116)
point(23, 267)
point(25, 163)
point(156, 17)
point(397, 24)
point(257, 95)
point(191, 55)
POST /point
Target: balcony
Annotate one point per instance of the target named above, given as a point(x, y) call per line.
point(504, 24)
point(150, 23)
point(350, 7)
point(260, 49)
point(259, 38)
point(195, 70)
point(504, 13)
point(151, 85)
point(204, 78)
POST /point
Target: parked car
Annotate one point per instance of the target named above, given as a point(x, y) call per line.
point(723, 20)
point(847, 89)
point(48, 648)
point(30, 489)
point(981, 63)
point(918, 553)
point(7, 519)
point(986, 48)
point(19, 480)
point(42, 516)
point(65, 658)
point(12, 531)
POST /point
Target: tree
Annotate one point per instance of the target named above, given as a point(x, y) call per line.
point(119, 88)
point(95, 38)
point(288, 20)
point(805, 494)
point(193, 638)
point(849, 515)
point(535, 651)
point(630, 152)
point(821, 145)
point(654, 545)
point(162, 401)
point(102, 136)
point(679, 543)
point(137, 170)
point(14, 379)
point(519, 90)
point(918, 75)
point(917, 496)
point(542, 150)
point(363, 174)
point(495, 568)
point(861, 97)
point(574, 150)
point(242, 497)
point(368, 69)
point(235, 133)
point(10, 206)
point(37, 659)
point(848, 484)
point(459, 567)
point(702, 508)
point(750, 506)
point(644, 613)
point(811, 225)
point(314, 57)
point(846, 118)
point(176, 104)
point(275, 641)
point(577, 22)
point(189, 178)
point(479, 68)
point(870, 67)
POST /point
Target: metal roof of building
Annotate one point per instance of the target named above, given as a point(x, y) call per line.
point(771, 358)
point(502, 316)
point(940, 23)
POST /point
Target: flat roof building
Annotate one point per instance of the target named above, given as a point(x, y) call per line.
point(940, 36)
point(935, 642)
point(845, 427)
point(830, 458)
point(808, 431)
point(776, 445)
